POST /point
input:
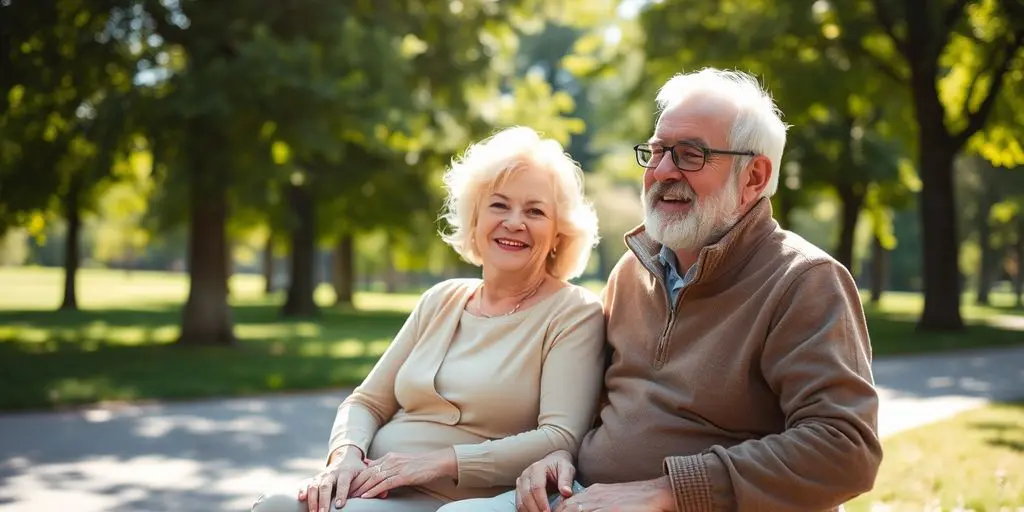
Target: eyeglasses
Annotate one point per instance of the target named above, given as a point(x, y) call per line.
point(686, 155)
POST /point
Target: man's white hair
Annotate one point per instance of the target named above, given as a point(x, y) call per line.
point(758, 124)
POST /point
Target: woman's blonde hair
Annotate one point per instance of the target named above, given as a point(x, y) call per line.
point(488, 163)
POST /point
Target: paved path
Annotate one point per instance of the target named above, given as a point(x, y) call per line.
point(215, 455)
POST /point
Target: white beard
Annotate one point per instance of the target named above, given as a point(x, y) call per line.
point(706, 222)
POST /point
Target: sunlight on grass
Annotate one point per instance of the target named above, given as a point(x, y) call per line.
point(378, 347)
point(282, 330)
point(974, 461)
point(275, 381)
point(910, 305)
point(28, 288)
point(24, 333)
point(92, 334)
point(41, 288)
point(384, 302)
point(140, 335)
point(72, 390)
point(357, 348)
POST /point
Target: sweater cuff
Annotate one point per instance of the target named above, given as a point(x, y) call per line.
point(690, 483)
point(358, 438)
point(327, 460)
point(475, 465)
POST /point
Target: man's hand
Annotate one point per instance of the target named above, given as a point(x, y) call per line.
point(335, 478)
point(647, 496)
point(402, 470)
point(532, 485)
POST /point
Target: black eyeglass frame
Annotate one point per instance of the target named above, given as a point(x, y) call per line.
point(706, 152)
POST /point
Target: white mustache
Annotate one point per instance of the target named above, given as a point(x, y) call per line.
point(662, 188)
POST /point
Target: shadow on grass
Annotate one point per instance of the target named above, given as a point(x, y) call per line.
point(969, 461)
point(125, 354)
point(1004, 434)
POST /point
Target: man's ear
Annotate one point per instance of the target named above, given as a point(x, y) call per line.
point(758, 174)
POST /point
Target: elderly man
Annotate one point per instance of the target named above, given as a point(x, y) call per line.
point(740, 369)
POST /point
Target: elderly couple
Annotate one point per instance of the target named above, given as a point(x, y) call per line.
point(726, 365)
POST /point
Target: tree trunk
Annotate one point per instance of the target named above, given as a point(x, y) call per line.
point(785, 210)
point(344, 270)
point(879, 269)
point(73, 215)
point(390, 274)
point(229, 266)
point(300, 301)
point(268, 264)
point(604, 262)
point(207, 317)
point(852, 201)
point(1018, 284)
point(989, 258)
point(129, 261)
point(940, 251)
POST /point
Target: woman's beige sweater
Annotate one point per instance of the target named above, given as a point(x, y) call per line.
point(503, 391)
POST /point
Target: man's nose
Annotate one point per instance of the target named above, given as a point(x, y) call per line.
point(666, 170)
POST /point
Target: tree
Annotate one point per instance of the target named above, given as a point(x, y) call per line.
point(955, 58)
point(840, 152)
point(239, 82)
point(979, 192)
point(1008, 217)
point(461, 102)
point(1001, 207)
point(882, 200)
point(991, 197)
point(299, 299)
point(384, 200)
point(65, 93)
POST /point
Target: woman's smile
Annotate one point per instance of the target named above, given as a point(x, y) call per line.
point(510, 244)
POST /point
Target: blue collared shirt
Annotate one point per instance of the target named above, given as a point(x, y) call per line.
point(673, 281)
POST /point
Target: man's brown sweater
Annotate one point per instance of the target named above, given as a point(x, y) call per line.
point(754, 392)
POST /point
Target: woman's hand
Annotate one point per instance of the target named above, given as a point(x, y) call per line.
point(339, 473)
point(402, 470)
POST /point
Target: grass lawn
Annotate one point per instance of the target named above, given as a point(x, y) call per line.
point(118, 347)
point(973, 461)
point(892, 325)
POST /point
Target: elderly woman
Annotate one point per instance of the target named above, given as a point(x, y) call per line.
point(487, 375)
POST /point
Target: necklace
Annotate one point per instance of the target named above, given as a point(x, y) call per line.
point(480, 300)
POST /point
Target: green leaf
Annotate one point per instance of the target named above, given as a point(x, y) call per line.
point(280, 152)
point(15, 95)
point(1004, 211)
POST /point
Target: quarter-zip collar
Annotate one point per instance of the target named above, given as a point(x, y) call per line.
point(715, 259)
